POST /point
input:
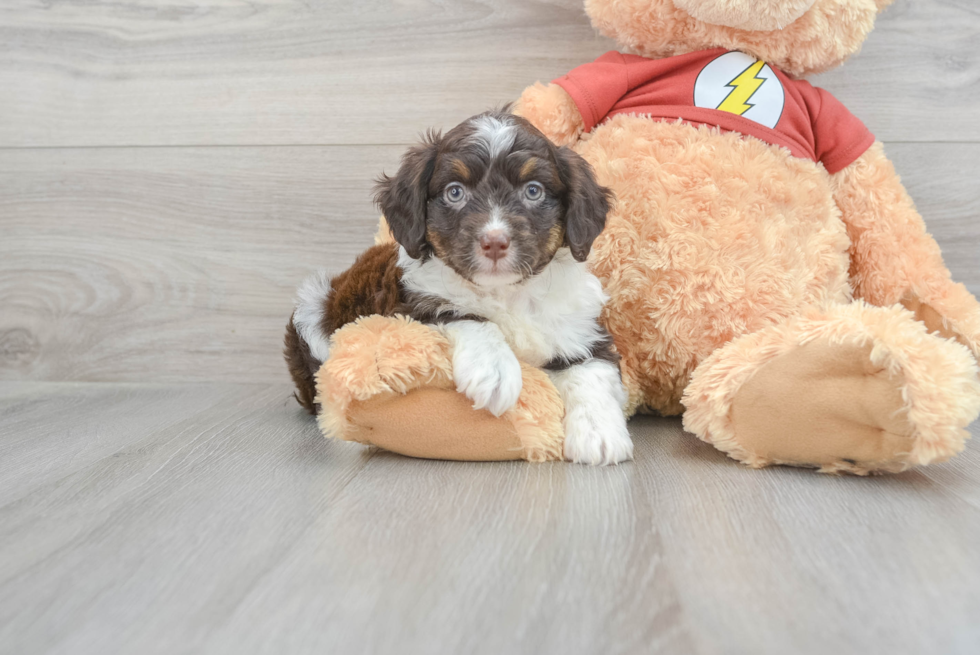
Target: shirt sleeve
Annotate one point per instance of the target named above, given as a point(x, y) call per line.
point(839, 136)
point(596, 87)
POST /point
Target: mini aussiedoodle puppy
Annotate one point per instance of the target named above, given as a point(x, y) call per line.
point(493, 225)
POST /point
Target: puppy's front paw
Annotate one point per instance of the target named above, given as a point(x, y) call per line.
point(489, 376)
point(597, 436)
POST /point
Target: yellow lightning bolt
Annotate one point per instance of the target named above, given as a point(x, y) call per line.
point(743, 88)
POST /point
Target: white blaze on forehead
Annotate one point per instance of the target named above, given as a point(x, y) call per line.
point(496, 221)
point(495, 135)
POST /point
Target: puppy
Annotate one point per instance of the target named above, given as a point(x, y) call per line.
point(493, 225)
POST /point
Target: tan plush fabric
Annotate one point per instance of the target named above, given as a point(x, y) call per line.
point(388, 382)
point(850, 382)
point(823, 38)
point(712, 236)
point(725, 257)
point(934, 321)
point(551, 110)
point(383, 235)
point(432, 423)
point(731, 267)
point(894, 259)
point(845, 409)
point(760, 15)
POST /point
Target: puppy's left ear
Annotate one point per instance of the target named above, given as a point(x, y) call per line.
point(403, 199)
point(588, 203)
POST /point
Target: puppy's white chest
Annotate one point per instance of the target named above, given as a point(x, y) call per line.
point(554, 314)
point(538, 335)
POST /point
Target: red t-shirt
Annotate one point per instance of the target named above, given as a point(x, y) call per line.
point(731, 90)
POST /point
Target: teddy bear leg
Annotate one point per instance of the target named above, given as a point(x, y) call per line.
point(388, 382)
point(432, 423)
point(851, 388)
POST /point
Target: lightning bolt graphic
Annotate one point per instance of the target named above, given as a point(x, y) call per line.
point(743, 88)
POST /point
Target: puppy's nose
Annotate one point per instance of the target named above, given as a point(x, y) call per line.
point(494, 244)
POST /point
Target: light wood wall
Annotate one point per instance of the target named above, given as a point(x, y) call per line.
point(169, 174)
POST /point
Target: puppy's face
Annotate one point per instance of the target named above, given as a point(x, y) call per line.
point(494, 200)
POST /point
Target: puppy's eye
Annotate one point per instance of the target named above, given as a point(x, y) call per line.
point(533, 191)
point(454, 193)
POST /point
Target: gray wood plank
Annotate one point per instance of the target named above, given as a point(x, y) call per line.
point(273, 73)
point(128, 519)
point(174, 264)
point(232, 527)
point(170, 264)
point(126, 73)
point(916, 79)
point(40, 446)
point(213, 517)
point(948, 202)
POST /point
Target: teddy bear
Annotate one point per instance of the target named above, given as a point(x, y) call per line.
point(769, 277)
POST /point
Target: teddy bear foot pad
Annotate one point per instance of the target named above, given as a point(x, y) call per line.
point(849, 388)
point(839, 407)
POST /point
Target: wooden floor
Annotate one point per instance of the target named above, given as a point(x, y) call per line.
point(214, 518)
point(170, 171)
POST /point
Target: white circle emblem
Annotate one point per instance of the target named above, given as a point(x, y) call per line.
point(741, 84)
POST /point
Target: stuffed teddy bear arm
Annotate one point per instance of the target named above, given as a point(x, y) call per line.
point(550, 109)
point(893, 257)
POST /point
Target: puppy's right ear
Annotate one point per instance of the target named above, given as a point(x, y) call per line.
point(403, 199)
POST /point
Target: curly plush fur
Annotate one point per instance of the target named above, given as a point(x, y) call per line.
point(821, 39)
point(720, 244)
point(937, 389)
point(724, 236)
point(379, 360)
point(796, 317)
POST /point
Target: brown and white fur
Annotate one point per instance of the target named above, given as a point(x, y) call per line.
point(493, 225)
